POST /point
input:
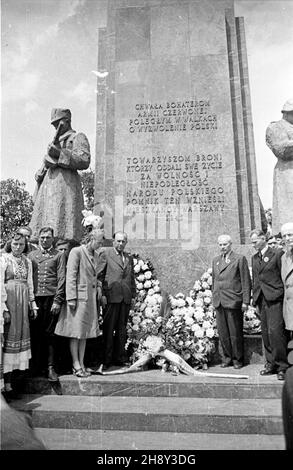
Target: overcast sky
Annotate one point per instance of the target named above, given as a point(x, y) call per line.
point(49, 50)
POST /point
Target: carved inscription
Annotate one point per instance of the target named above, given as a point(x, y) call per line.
point(164, 182)
point(173, 116)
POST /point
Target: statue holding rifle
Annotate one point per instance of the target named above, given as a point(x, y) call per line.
point(279, 138)
point(58, 199)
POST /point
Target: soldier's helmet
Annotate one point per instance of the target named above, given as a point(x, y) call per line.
point(60, 113)
point(288, 106)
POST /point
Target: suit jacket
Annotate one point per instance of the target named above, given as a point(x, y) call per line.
point(266, 276)
point(117, 278)
point(287, 408)
point(49, 273)
point(231, 281)
point(287, 277)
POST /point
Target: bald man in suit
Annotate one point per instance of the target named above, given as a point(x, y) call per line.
point(231, 296)
point(115, 272)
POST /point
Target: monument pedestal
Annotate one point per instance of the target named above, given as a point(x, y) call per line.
point(175, 163)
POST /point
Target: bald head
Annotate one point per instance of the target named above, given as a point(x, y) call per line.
point(224, 239)
point(224, 242)
point(286, 227)
point(287, 235)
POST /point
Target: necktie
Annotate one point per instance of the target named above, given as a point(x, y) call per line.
point(122, 258)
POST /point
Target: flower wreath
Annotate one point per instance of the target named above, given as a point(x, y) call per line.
point(185, 325)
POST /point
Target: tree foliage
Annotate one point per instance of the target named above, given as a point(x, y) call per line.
point(88, 188)
point(16, 206)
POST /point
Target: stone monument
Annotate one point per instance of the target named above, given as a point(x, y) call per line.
point(279, 138)
point(175, 160)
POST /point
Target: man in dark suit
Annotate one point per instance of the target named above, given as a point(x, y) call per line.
point(49, 284)
point(115, 272)
point(268, 294)
point(231, 296)
point(287, 407)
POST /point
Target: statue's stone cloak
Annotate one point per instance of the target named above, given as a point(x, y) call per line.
point(279, 138)
point(58, 199)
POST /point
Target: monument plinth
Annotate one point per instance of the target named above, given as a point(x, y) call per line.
point(175, 163)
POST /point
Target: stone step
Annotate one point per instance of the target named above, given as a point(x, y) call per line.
point(156, 414)
point(154, 383)
point(81, 439)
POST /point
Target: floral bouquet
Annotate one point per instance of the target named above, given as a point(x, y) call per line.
point(185, 325)
point(203, 286)
point(201, 289)
point(182, 325)
point(190, 329)
point(252, 323)
point(145, 319)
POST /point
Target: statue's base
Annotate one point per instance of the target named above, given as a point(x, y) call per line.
point(253, 350)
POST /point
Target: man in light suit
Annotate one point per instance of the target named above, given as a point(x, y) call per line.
point(287, 276)
point(231, 296)
point(268, 293)
point(115, 271)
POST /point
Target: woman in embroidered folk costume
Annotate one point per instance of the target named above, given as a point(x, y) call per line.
point(79, 317)
point(58, 199)
point(18, 295)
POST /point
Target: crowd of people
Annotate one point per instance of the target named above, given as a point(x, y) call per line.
point(50, 292)
point(271, 288)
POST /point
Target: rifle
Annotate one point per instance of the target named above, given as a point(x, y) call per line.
point(58, 133)
point(49, 160)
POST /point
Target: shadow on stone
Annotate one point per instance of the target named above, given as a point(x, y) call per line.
point(56, 387)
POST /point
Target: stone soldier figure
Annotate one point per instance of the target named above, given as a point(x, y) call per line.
point(58, 199)
point(279, 138)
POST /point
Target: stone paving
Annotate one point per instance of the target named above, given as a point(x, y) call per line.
point(155, 410)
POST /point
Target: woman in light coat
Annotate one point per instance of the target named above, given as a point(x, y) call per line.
point(79, 316)
point(287, 275)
